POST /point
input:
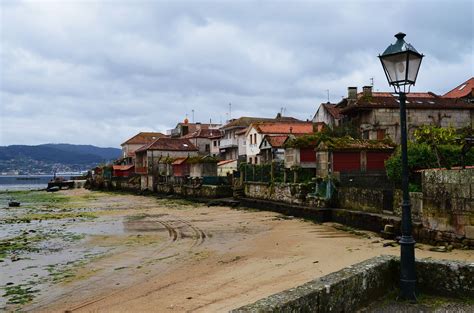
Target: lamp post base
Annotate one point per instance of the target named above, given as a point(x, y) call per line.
point(407, 269)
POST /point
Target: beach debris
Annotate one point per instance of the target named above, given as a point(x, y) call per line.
point(13, 204)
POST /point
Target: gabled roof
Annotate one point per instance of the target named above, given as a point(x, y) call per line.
point(169, 144)
point(275, 141)
point(333, 110)
point(245, 121)
point(179, 161)
point(461, 91)
point(204, 133)
point(280, 128)
point(415, 100)
point(143, 138)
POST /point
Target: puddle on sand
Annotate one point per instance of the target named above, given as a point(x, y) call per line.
point(50, 250)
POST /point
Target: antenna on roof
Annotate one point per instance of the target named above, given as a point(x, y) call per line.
point(230, 111)
point(327, 90)
point(372, 81)
point(193, 114)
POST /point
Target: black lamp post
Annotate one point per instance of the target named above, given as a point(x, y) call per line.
point(401, 63)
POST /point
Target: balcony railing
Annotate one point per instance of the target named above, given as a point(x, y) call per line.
point(229, 143)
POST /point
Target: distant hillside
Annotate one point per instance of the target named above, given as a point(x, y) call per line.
point(104, 153)
point(51, 157)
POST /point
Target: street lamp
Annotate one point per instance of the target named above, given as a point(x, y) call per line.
point(401, 63)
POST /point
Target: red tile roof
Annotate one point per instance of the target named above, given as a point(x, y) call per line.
point(284, 128)
point(333, 110)
point(276, 141)
point(143, 138)
point(245, 121)
point(179, 161)
point(169, 144)
point(122, 167)
point(225, 162)
point(461, 91)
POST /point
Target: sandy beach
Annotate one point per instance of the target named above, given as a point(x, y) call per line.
point(163, 255)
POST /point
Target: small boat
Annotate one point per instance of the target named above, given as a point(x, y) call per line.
point(13, 204)
point(53, 189)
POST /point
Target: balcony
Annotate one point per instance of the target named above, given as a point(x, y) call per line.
point(229, 143)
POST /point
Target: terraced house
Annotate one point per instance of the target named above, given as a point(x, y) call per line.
point(153, 160)
point(377, 114)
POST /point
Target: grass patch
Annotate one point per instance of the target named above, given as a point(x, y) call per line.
point(19, 294)
point(47, 216)
point(19, 243)
point(33, 197)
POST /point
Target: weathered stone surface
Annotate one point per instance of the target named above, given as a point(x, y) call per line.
point(342, 291)
point(283, 192)
point(357, 285)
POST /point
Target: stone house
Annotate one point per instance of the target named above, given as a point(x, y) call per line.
point(329, 114)
point(154, 159)
point(185, 128)
point(464, 91)
point(203, 167)
point(271, 148)
point(257, 131)
point(203, 139)
point(139, 140)
point(377, 116)
point(215, 144)
point(351, 155)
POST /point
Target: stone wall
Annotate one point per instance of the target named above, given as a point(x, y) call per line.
point(448, 202)
point(388, 119)
point(283, 192)
point(201, 191)
point(360, 284)
point(372, 200)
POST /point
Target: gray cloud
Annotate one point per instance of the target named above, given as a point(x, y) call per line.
point(97, 72)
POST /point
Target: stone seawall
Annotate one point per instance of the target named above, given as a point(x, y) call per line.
point(360, 284)
point(283, 192)
point(201, 191)
point(448, 202)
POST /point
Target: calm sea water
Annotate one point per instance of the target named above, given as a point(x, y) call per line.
point(26, 182)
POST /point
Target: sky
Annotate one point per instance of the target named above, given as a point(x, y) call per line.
point(97, 72)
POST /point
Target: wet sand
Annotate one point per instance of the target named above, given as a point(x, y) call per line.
point(176, 256)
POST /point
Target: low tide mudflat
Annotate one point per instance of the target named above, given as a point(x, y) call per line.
point(84, 251)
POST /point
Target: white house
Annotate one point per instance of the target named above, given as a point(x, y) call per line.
point(257, 131)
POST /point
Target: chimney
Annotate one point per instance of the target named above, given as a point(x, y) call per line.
point(352, 93)
point(198, 126)
point(291, 130)
point(367, 91)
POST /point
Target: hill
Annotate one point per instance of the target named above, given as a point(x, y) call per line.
point(48, 158)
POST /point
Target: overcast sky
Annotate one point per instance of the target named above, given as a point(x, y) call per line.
point(90, 72)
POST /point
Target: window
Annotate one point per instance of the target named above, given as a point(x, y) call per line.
point(365, 134)
point(215, 143)
point(208, 148)
point(250, 160)
point(255, 139)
